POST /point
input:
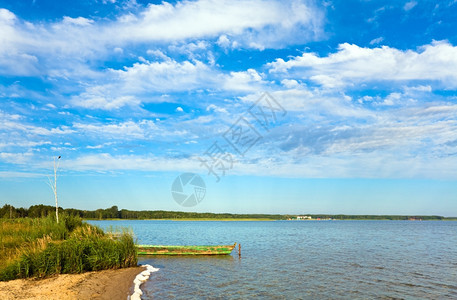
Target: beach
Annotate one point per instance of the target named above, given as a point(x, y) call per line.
point(107, 284)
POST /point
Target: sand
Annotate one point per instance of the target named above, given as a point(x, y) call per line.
point(108, 284)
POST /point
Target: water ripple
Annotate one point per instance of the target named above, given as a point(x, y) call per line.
point(304, 260)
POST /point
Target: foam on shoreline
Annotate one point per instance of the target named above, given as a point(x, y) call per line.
point(140, 279)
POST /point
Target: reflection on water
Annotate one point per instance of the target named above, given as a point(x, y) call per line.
point(303, 259)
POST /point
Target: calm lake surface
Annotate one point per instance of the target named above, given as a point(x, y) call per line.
point(303, 259)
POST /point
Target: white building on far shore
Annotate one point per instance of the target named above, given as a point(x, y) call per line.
point(304, 218)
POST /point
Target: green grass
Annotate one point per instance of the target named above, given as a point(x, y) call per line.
point(40, 247)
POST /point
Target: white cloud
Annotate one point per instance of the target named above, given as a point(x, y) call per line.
point(348, 160)
point(216, 108)
point(4, 116)
point(377, 129)
point(249, 80)
point(165, 76)
point(333, 135)
point(133, 85)
point(392, 98)
point(15, 157)
point(93, 99)
point(290, 83)
point(436, 62)
point(419, 88)
point(61, 130)
point(167, 22)
point(23, 143)
point(19, 64)
point(376, 40)
point(12, 124)
point(364, 165)
point(191, 47)
point(409, 5)
point(7, 17)
point(44, 49)
point(257, 23)
point(223, 41)
point(106, 161)
point(28, 49)
point(158, 54)
point(99, 146)
point(118, 50)
point(368, 99)
point(123, 130)
point(80, 21)
point(13, 174)
point(316, 106)
point(206, 18)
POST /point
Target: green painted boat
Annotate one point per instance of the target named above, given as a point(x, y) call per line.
point(185, 250)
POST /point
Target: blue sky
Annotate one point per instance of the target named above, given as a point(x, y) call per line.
point(133, 93)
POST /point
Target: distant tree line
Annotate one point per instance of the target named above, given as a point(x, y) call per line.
point(378, 217)
point(36, 211)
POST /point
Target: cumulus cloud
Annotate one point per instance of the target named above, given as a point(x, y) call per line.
point(132, 85)
point(289, 83)
point(125, 87)
point(163, 76)
point(191, 28)
point(216, 108)
point(249, 80)
point(436, 62)
point(167, 52)
point(223, 41)
point(253, 23)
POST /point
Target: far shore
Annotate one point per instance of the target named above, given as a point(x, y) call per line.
point(106, 284)
point(184, 219)
point(264, 219)
point(114, 213)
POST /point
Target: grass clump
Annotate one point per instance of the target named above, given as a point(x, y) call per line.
point(40, 247)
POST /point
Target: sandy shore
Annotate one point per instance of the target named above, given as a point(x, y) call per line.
point(108, 284)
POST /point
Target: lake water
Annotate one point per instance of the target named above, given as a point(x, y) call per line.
point(303, 259)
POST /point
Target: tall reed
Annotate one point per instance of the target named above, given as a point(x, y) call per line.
point(41, 247)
